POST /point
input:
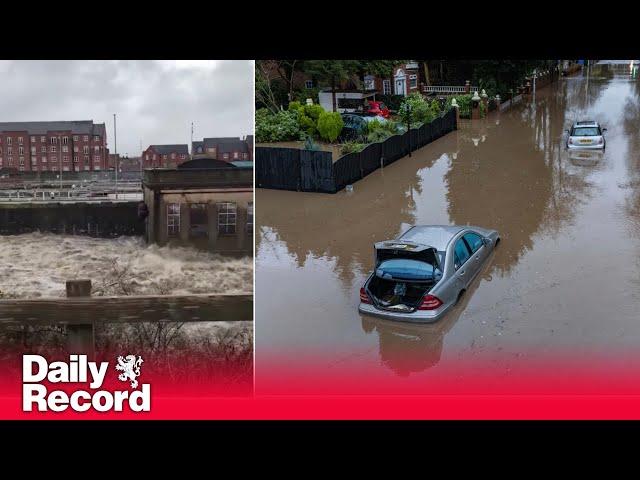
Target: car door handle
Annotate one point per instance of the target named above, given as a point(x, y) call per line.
point(461, 273)
point(477, 258)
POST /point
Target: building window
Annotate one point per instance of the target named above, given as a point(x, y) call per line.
point(34, 160)
point(147, 157)
point(154, 156)
point(20, 139)
point(225, 156)
point(21, 160)
point(96, 149)
point(43, 139)
point(9, 150)
point(53, 140)
point(386, 87)
point(44, 159)
point(65, 159)
point(369, 82)
point(0, 161)
point(308, 84)
point(85, 149)
point(75, 159)
point(96, 159)
point(96, 138)
point(54, 159)
point(164, 157)
point(65, 140)
point(250, 218)
point(43, 149)
point(75, 138)
point(227, 218)
point(413, 81)
point(9, 140)
point(75, 149)
point(33, 139)
point(21, 150)
point(86, 160)
point(33, 150)
point(183, 156)
point(52, 149)
point(173, 219)
point(65, 148)
point(10, 160)
point(173, 156)
point(245, 156)
point(54, 168)
point(85, 138)
point(235, 155)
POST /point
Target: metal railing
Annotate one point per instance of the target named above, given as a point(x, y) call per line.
point(447, 89)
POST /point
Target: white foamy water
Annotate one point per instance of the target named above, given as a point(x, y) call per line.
point(39, 264)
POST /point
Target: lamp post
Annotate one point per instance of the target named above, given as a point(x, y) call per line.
point(406, 111)
point(115, 155)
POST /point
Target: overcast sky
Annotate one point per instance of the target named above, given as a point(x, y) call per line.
point(155, 101)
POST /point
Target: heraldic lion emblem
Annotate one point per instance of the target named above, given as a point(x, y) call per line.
point(130, 368)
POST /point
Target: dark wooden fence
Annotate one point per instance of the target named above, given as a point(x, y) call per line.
point(314, 171)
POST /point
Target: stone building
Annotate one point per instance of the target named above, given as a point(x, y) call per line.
point(206, 206)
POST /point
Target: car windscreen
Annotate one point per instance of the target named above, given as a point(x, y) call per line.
point(585, 132)
point(409, 270)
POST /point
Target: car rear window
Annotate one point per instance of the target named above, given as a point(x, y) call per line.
point(411, 270)
point(586, 132)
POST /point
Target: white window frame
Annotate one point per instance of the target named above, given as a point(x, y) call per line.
point(386, 86)
point(227, 218)
point(173, 219)
point(250, 218)
point(413, 78)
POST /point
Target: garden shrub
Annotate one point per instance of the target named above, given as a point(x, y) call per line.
point(352, 146)
point(420, 109)
point(464, 104)
point(330, 125)
point(278, 127)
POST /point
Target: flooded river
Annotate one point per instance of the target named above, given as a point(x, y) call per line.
point(39, 264)
point(565, 278)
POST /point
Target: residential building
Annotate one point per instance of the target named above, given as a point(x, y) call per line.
point(165, 156)
point(227, 149)
point(53, 146)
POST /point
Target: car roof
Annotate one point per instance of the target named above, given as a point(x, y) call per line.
point(586, 123)
point(437, 236)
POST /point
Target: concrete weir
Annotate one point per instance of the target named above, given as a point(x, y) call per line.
point(95, 218)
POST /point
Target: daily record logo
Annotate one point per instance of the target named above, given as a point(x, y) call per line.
point(36, 396)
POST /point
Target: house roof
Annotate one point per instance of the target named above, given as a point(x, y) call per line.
point(83, 127)
point(222, 144)
point(166, 149)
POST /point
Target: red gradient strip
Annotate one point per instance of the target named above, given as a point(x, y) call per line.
point(492, 388)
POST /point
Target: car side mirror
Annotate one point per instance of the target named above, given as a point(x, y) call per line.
point(604, 129)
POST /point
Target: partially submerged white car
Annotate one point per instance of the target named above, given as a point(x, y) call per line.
point(586, 135)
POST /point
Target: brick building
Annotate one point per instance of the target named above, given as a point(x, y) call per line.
point(53, 146)
point(227, 149)
point(165, 156)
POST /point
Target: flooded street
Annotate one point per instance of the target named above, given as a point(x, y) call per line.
point(565, 278)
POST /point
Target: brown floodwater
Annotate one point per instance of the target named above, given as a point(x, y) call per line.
point(565, 278)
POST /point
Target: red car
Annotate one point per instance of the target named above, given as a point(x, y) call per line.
point(378, 109)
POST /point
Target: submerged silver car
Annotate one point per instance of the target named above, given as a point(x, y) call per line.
point(422, 274)
point(586, 135)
